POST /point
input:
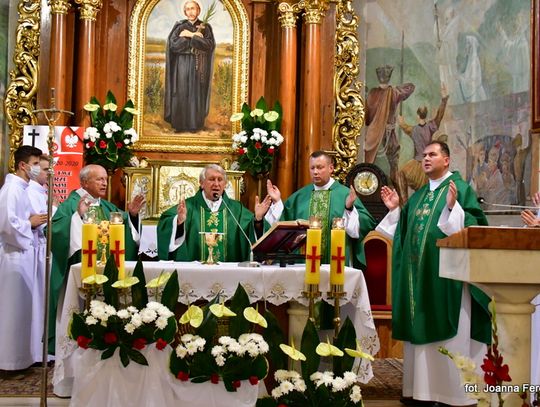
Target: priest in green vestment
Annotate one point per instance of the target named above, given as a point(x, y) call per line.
point(67, 231)
point(180, 227)
point(327, 199)
point(429, 311)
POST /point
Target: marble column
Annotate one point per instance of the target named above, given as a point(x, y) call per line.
point(86, 62)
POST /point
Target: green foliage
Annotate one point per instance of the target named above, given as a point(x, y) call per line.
point(345, 339)
point(274, 336)
point(139, 294)
point(169, 298)
point(310, 340)
point(111, 272)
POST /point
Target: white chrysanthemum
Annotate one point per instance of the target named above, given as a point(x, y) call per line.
point(235, 347)
point(91, 133)
point(181, 351)
point(200, 342)
point(90, 320)
point(132, 309)
point(153, 305)
point(255, 136)
point(276, 392)
point(136, 320)
point(127, 141)
point(192, 348)
point(286, 387)
point(129, 328)
point(108, 135)
point(123, 313)
point(281, 374)
point(226, 340)
point(236, 138)
point(327, 378)
point(131, 133)
point(339, 384)
point(252, 349)
point(350, 377)
point(217, 350)
point(243, 139)
point(317, 376)
point(220, 360)
point(356, 394)
point(161, 322)
point(300, 385)
point(148, 315)
point(111, 127)
point(263, 347)
point(186, 338)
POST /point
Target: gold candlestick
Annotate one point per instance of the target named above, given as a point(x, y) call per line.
point(90, 291)
point(336, 293)
point(311, 292)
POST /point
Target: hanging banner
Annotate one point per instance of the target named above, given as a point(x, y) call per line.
point(67, 152)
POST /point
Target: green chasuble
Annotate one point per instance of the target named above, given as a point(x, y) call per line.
point(425, 307)
point(61, 227)
point(328, 205)
point(233, 246)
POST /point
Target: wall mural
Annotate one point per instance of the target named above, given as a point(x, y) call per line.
point(455, 70)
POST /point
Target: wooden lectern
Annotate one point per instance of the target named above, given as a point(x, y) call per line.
point(505, 263)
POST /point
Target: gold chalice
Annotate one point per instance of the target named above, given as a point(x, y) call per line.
point(211, 239)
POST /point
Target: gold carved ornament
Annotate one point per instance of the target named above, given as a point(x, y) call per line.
point(59, 6)
point(314, 11)
point(288, 13)
point(88, 9)
point(20, 99)
point(350, 108)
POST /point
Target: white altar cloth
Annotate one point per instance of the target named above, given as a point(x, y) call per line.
point(271, 283)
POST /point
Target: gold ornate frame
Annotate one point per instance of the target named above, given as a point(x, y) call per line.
point(192, 143)
point(349, 109)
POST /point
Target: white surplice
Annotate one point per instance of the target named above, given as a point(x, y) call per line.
point(16, 275)
point(428, 374)
point(37, 195)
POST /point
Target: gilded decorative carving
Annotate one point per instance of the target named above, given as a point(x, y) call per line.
point(240, 63)
point(350, 109)
point(314, 11)
point(20, 99)
point(88, 9)
point(288, 14)
point(59, 6)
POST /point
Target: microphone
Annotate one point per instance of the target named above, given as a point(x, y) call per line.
point(250, 262)
point(483, 201)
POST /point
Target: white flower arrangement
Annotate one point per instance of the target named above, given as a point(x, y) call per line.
point(251, 345)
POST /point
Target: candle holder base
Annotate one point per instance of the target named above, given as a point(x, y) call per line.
point(311, 292)
point(336, 293)
point(89, 291)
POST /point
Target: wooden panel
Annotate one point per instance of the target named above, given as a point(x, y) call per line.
point(390, 348)
point(489, 237)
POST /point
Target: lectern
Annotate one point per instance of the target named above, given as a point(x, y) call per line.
point(505, 263)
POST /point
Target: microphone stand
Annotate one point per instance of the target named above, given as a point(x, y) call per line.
point(51, 115)
point(482, 201)
point(251, 262)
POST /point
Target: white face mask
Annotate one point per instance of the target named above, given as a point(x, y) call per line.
point(35, 171)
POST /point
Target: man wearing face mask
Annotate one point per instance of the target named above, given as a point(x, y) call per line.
point(179, 227)
point(67, 231)
point(37, 194)
point(17, 221)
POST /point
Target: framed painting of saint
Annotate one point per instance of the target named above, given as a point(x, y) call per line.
point(188, 73)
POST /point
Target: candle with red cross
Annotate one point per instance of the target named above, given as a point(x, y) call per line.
point(117, 246)
point(337, 252)
point(89, 249)
point(313, 252)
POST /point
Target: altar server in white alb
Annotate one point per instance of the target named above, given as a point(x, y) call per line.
point(17, 262)
point(37, 194)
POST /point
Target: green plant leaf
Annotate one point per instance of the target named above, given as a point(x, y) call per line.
point(273, 335)
point(238, 324)
point(124, 358)
point(346, 339)
point(200, 379)
point(137, 357)
point(107, 353)
point(310, 340)
point(261, 104)
point(79, 327)
point(168, 332)
point(169, 298)
point(110, 293)
point(139, 294)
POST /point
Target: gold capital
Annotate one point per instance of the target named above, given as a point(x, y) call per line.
point(288, 15)
point(59, 6)
point(89, 8)
point(314, 16)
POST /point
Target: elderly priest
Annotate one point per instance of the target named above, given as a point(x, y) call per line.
point(180, 227)
point(67, 230)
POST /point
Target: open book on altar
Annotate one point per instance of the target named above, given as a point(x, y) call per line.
point(281, 241)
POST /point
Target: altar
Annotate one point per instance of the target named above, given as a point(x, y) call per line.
point(271, 284)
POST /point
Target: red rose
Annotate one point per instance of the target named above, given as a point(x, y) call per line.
point(183, 376)
point(91, 144)
point(241, 151)
point(102, 144)
point(161, 343)
point(214, 378)
point(253, 380)
point(110, 338)
point(83, 341)
point(282, 405)
point(139, 343)
point(236, 384)
point(119, 144)
point(258, 145)
point(271, 150)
